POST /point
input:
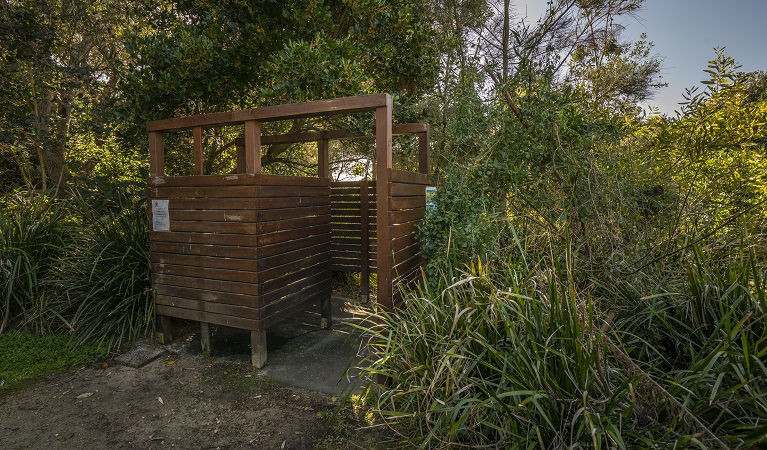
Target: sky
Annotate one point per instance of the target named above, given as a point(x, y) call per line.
point(685, 33)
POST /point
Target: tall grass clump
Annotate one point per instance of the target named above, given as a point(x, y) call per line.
point(105, 287)
point(504, 360)
point(34, 234)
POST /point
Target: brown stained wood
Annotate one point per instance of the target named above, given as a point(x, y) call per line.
point(203, 180)
point(334, 184)
point(258, 348)
point(246, 288)
point(292, 277)
point(406, 267)
point(243, 240)
point(275, 312)
point(213, 215)
point(197, 133)
point(289, 202)
point(424, 160)
point(240, 149)
point(406, 215)
point(252, 146)
point(213, 227)
point(407, 240)
point(223, 251)
point(284, 180)
point(397, 203)
point(293, 213)
point(229, 298)
point(202, 192)
point(296, 244)
point(203, 306)
point(156, 154)
point(289, 235)
point(208, 273)
point(213, 262)
point(406, 177)
point(290, 224)
point(270, 273)
point(323, 159)
point(293, 191)
point(404, 229)
point(383, 126)
point(346, 105)
point(272, 262)
point(311, 280)
point(205, 316)
point(343, 227)
point(406, 190)
point(164, 326)
point(238, 204)
point(405, 254)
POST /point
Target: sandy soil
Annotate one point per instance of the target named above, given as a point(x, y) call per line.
point(177, 401)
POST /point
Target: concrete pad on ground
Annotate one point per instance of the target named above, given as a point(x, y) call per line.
point(299, 352)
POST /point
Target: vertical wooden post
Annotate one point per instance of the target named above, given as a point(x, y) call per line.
point(258, 348)
point(197, 150)
point(156, 154)
point(383, 164)
point(252, 146)
point(240, 158)
point(423, 152)
point(323, 159)
point(326, 312)
point(164, 329)
point(365, 240)
point(205, 337)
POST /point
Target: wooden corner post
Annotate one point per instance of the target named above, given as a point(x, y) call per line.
point(383, 164)
point(424, 165)
point(156, 154)
point(252, 146)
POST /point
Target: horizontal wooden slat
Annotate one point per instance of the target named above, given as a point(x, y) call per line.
point(271, 273)
point(238, 204)
point(289, 235)
point(306, 253)
point(244, 240)
point(311, 279)
point(213, 227)
point(248, 265)
point(277, 311)
point(283, 180)
point(401, 242)
point(291, 224)
point(238, 191)
point(396, 203)
point(291, 277)
point(403, 229)
point(406, 190)
point(213, 215)
point(345, 105)
point(204, 306)
point(402, 176)
point(202, 272)
point(289, 202)
point(404, 254)
point(208, 317)
point(295, 244)
point(249, 300)
point(404, 268)
point(224, 251)
point(235, 180)
point(293, 191)
point(205, 284)
point(292, 213)
point(406, 215)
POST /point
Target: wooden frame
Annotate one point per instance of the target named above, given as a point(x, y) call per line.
point(239, 249)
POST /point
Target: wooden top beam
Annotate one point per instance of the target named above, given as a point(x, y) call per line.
point(345, 105)
point(331, 135)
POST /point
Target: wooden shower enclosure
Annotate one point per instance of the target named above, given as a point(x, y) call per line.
point(248, 250)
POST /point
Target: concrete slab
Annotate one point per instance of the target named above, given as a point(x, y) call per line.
point(140, 356)
point(299, 352)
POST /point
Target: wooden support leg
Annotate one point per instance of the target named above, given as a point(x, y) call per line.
point(258, 348)
point(164, 330)
point(205, 337)
point(326, 312)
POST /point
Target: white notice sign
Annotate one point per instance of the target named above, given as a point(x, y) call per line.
point(160, 217)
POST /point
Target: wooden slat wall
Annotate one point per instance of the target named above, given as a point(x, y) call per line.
point(346, 225)
point(407, 208)
point(242, 250)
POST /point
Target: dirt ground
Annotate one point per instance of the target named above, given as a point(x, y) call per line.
point(177, 401)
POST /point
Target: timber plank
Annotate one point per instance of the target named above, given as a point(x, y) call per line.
point(271, 273)
point(406, 190)
point(289, 235)
point(403, 176)
point(310, 280)
point(291, 224)
point(247, 265)
point(289, 257)
point(243, 240)
point(289, 202)
point(248, 300)
point(213, 215)
point(403, 229)
point(209, 317)
point(396, 203)
point(223, 251)
point(204, 284)
point(214, 227)
point(406, 215)
point(205, 306)
point(202, 272)
point(203, 180)
point(296, 244)
point(234, 204)
point(293, 213)
point(292, 277)
point(278, 311)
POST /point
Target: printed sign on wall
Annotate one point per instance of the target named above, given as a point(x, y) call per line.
point(160, 216)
